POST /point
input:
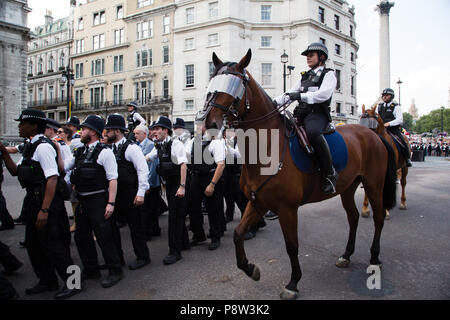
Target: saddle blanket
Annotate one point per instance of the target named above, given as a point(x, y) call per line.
point(304, 162)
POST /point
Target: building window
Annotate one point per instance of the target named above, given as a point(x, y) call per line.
point(50, 64)
point(189, 44)
point(97, 96)
point(211, 69)
point(213, 10)
point(165, 54)
point(97, 67)
point(166, 24)
point(30, 96)
point(30, 67)
point(336, 22)
point(265, 12)
point(40, 65)
point(98, 41)
point(266, 71)
point(40, 95)
point(189, 15)
point(118, 94)
point(79, 70)
point(143, 3)
point(338, 78)
point(119, 12)
point(322, 41)
point(353, 111)
point(337, 49)
point(119, 36)
point(213, 39)
point(189, 76)
point(144, 58)
point(118, 63)
point(79, 100)
point(61, 60)
point(79, 46)
point(351, 31)
point(352, 86)
point(62, 93)
point(266, 42)
point(352, 57)
point(165, 87)
point(144, 30)
point(189, 104)
point(338, 108)
point(99, 18)
point(142, 91)
point(51, 94)
point(321, 14)
point(80, 24)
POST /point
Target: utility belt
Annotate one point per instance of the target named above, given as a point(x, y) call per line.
point(34, 186)
point(203, 173)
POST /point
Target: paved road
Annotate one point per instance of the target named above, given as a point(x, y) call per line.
point(414, 249)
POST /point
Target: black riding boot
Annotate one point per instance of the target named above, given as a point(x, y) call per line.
point(326, 165)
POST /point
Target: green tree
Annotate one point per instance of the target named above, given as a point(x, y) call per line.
point(407, 121)
point(432, 120)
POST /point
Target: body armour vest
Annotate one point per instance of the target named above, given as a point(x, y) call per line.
point(132, 124)
point(310, 79)
point(30, 172)
point(88, 175)
point(127, 173)
point(201, 168)
point(166, 168)
point(387, 113)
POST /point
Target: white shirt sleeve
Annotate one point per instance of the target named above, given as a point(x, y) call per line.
point(107, 159)
point(325, 91)
point(188, 148)
point(137, 116)
point(284, 97)
point(45, 154)
point(178, 152)
point(65, 152)
point(217, 148)
point(152, 155)
point(134, 154)
point(398, 116)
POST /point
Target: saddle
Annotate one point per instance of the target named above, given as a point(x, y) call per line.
point(299, 129)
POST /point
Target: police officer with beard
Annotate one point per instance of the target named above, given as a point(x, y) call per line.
point(172, 169)
point(134, 119)
point(47, 235)
point(95, 179)
point(132, 184)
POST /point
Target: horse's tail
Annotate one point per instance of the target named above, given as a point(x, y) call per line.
point(390, 183)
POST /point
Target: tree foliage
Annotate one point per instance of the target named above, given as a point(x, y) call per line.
point(432, 120)
point(407, 121)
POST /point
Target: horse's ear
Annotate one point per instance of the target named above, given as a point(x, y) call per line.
point(374, 108)
point(245, 60)
point(217, 62)
point(363, 109)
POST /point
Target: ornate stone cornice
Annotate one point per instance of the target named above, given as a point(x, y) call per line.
point(384, 7)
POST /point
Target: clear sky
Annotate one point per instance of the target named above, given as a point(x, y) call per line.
point(420, 46)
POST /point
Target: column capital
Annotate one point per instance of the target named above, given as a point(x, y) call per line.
point(384, 7)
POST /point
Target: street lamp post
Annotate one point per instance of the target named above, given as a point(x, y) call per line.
point(67, 77)
point(284, 60)
point(399, 82)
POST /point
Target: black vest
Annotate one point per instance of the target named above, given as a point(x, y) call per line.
point(235, 167)
point(309, 79)
point(88, 175)
point(1, 168)
point(201, 168)
point(132, 124)
point(30, 172)
point(166, 168)
point(387, 113)
point(128, 177)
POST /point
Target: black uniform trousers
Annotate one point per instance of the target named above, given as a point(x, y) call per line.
point(151, 211)
point(315, 123)
point(7, 290)
point(91, 218)
point(403, 150)
point(215, 213)
point(5, 218)
point(178, 235)
point(124, 204)
point(49, 247)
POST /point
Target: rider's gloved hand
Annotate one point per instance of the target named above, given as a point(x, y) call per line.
point(294, 95)
point(275, 104)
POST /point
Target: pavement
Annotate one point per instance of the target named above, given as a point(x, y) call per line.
point(414, 250)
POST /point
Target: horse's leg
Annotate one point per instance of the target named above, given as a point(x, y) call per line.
point(348, 202)
point(288, 223)
point(376, 201)
point(403, 182)
point(249, 218)
point(365, 211)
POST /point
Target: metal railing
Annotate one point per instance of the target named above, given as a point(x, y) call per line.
point(102, 105)
point(48, 102)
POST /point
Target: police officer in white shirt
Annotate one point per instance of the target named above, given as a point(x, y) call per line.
point(51, 132)
point(73, 123)
point(206, 180)
point(314, 92)
point(95, 179)
point(172, 169)
point(132, 184)
point(134, 119)
point(47, 236)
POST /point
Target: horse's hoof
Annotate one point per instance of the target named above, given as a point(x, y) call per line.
point(365, 214)
point(256, 275)
point(287, 294)
point(342, 263)
point(403, 206)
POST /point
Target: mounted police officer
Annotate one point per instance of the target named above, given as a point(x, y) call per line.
point(206, 180)
point(47, 235)
point(95, 179)
point(391, 113)
point(172, 169)
point(314, 92)
point(132, 184)
point(134, 119)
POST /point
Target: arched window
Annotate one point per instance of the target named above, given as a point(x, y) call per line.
point(40, 65)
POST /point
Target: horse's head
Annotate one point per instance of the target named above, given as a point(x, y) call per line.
point(226, 96)
point(370, 119)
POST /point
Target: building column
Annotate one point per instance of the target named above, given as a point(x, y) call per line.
point(385, 64)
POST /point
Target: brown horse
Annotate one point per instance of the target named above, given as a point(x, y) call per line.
point(290, 188)
point(400, 160)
